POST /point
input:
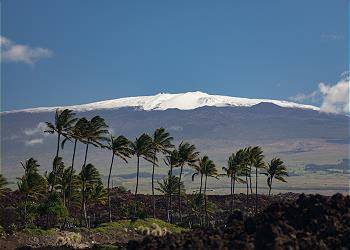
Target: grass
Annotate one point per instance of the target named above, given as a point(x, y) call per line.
point(127, 224)
point(37, 231)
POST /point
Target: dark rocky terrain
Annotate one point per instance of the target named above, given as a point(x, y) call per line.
point(311, 222)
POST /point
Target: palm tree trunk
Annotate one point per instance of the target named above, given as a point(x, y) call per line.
point(250, 179)
point(233, 190)
point(256, 189)
point(108, 189)
point(231, 194)
point(180, 214)
point(55, 167)
point(83, 201)
point(200, 188)
point(71, 172)
point(270, 186)
point(153, 198)
point(170, 198)
point(205, 200)
point(137, 186)
point(246, 179)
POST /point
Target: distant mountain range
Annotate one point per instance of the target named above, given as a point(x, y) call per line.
point(299, 134)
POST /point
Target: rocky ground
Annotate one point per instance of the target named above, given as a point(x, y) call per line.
point(311, 222)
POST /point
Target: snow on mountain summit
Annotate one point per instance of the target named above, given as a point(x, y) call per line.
point(163, 101)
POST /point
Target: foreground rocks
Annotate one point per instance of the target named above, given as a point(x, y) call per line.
point(311, 222)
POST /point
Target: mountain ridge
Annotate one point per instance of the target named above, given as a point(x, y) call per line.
point(164, 101)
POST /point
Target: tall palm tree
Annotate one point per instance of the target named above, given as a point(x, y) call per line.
point(94, 133)
point(3, 183)
point(76, 133)
point(246, 161)
point(141, 147)
point(64, 121)
point(275, 169)
point(119, 147)
point(257, 158)
point(235, 169)
point(209, 170)
point(187, 155)
point(161, 142)
point(171, 160)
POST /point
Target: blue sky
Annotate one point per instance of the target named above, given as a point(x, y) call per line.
point(83, 51)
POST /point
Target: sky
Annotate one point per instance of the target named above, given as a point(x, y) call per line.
point(73, 52)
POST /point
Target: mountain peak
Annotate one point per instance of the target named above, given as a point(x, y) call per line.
point(182, 101)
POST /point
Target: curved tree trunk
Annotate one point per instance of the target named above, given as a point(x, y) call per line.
point(233, 190)
point(170, 198)
point(109, 189)
point(180, 214)
point(270, 186)
point(83, 209)
point(137, 186)
point(153, 198)
point(71, 172)
point(205, 201)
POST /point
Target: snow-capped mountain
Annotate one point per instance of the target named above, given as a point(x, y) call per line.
point(181, 101)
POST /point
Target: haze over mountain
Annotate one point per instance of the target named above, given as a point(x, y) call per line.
point(217, 125)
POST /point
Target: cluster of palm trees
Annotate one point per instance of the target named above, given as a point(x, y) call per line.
point(151, 148)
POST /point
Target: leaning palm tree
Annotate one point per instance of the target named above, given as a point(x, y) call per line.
point(161, 142)
point(3, 183)
point(94, 133)
point(198, 171)
point(234, 170)
point(187, 155)
point(209, 170)
point(64, 121)
point(119, 147)
point(275, 169)
point(76, 133)
point(171, 160)
point(141, 147)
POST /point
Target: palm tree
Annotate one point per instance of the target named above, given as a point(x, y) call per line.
point(141, 147)
point(94, 133)
point(209, 170)
point(120, 148)
point(97, 194)
point(3, 183)
point(171, 160)
point(234, 170)
point(257, 158)
point(89, 176)
point(161, 142)
point(187, 154)
point(245, 158)
point(64, 121)
point(275, 169)
point(77, 134)
point(31, 184)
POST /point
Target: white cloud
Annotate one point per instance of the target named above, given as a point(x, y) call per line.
point(34, 142)
point(13, 52)
point(40, 128)
point(336, 97)
point(333, 98)
point(331, 36)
